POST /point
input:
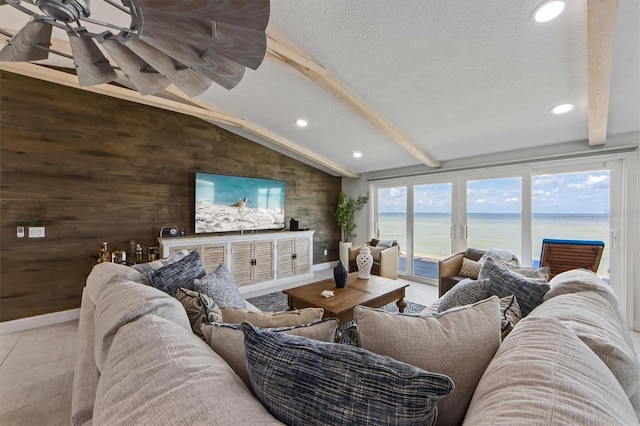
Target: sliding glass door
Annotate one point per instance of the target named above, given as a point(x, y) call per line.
point(391, 218)
point(513, 208)
point(431, 227)
point(573, 206)
point(494, 218)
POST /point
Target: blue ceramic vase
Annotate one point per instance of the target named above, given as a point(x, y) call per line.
point(340, 275)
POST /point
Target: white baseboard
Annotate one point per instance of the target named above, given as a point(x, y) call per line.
point(22, 324)
point(323, 266)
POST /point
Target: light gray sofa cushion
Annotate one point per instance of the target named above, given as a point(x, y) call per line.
point(104, 274)
point(544, 375)
point(590, 316)
point(459, 343)
point(124, 302)
point(86, 374)
point(271, 319)
point(227, 340)
point(158, 374)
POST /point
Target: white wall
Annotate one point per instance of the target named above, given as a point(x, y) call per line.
point(354, 188)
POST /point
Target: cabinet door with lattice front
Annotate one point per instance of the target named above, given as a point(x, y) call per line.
point(242, 262)
point(213, 255)
point(285, 257)
point(301, 255)
point(263, 261)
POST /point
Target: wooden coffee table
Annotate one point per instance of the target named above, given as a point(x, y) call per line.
point(374, 292)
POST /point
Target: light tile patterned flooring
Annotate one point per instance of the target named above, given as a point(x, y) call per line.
point(36, 368)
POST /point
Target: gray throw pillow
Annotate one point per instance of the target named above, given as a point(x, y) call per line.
point(178, 274)
point(534, 274)
point(466, 292)
point(503, 282)
point(221, 287)
point(302, 381)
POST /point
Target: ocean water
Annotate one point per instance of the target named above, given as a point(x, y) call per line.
point(487, 230)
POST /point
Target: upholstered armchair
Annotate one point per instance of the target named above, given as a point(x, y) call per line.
point(453, 269)
point(386, 255)
point(449, 268)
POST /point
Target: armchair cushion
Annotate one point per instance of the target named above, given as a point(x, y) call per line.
point(470, 268)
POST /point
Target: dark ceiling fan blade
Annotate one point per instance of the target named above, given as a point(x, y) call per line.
point(221, 70)
point(22, 47)
point(244, 46)
point(252, 14)
point(145, 79)
point(190, 82)
point(91, 65)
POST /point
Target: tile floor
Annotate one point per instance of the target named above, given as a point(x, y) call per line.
point(36, 368)
point(36, 375)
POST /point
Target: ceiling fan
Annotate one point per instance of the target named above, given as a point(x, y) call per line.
point(189, 43)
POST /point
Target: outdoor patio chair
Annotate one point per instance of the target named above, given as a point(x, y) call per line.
point(564, 255)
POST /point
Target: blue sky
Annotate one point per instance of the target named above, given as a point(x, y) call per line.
point(577, 193)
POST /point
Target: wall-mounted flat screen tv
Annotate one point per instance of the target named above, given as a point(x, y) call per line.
point(235, 203)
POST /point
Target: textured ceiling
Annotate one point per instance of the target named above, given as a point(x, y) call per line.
point(458, 78)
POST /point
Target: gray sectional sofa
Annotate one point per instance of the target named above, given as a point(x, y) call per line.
point(571, 361)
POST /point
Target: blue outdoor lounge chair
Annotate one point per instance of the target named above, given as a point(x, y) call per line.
point(564, 255)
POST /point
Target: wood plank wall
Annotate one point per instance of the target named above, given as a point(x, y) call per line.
point(92, 168)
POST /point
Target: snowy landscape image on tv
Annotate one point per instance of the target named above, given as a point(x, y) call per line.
point(235, 203)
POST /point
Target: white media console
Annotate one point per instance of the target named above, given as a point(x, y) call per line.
point(257, 261)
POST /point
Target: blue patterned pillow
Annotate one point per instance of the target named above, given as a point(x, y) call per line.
point(303, 381)
point(178, 274)
point(221, 287)
point(466, 292)
point(503, 282)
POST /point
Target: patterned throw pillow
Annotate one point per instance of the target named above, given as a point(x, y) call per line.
point(227, 340)
point(221, 287)
point(302, 381)
point(465, 292)
point(503, 282)
point(470, 268)
point(200, 308)
point(178, 274)
point(509, 314)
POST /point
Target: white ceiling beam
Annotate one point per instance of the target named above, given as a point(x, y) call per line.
point(282, 50)
point(601, 28)
point(200, 110)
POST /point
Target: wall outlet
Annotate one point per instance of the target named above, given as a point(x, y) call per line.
point(36, 232)
point(325, 252)
point(20, 232)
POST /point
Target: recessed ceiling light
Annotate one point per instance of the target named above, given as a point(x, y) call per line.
point(357, 154)
point(548, 11)
point(301, 122)
point(561, 109)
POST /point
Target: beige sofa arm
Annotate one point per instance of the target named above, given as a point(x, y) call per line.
point(389, 259)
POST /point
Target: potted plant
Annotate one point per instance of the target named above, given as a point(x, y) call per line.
point(345, 214)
